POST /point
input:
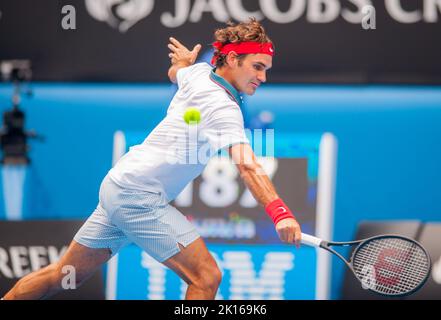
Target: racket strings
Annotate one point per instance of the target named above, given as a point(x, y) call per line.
point(395, 271)
point(391, 265)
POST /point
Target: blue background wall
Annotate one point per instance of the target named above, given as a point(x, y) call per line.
point(389, 144)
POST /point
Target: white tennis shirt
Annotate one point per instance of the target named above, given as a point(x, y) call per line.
point(175, 153)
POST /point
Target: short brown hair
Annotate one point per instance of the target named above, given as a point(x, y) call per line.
point(236, 33)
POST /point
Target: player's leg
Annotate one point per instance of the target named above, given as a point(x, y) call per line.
point(196, 266)
point(165, 234)
point(43, 283)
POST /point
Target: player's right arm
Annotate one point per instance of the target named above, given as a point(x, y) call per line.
point(180, 57)
point(264, 192)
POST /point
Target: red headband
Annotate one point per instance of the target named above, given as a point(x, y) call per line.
point(243, 48)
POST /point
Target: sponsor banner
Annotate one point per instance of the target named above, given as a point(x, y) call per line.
point(27, 246)
point(223, 209)
point(326, 41)
point(255, 272)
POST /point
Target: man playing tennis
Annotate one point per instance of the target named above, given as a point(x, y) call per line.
point(135, 195)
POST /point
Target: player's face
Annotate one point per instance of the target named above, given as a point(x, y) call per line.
point(251, 72)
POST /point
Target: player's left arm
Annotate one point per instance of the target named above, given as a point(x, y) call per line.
point(264, 192)
point(180, 57)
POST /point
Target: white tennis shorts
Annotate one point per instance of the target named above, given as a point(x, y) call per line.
point(145, 218)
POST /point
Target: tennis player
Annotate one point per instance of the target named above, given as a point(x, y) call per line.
point(134, 198)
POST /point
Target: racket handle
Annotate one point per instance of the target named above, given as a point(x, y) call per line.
point(311, 240)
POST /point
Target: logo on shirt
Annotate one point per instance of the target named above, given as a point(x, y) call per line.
point(120, 14)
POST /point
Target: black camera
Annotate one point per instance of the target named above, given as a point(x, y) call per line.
point(16, 70)
point(13, 137)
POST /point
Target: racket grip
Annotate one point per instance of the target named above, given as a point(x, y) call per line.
point(311, 240)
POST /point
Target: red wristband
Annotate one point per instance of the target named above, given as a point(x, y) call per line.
point(278, 211)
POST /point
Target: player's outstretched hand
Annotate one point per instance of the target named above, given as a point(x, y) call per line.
point(289, 231)
point(181, 55)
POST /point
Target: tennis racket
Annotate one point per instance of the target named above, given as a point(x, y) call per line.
point(390, 265)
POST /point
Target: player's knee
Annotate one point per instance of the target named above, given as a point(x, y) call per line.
point(210, 278)
point(216, 277)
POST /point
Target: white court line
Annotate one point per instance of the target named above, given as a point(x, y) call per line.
point(325, 211)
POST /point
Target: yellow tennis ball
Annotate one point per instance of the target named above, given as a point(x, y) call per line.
point(192, 115)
